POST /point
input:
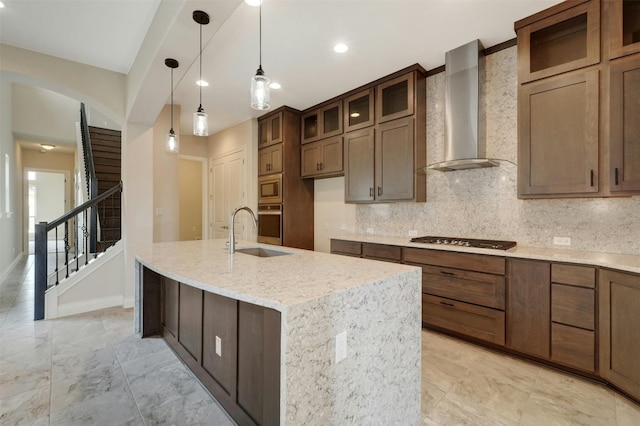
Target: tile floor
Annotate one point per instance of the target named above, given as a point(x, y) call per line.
point(92, 369)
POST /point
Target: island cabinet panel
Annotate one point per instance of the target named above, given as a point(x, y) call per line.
point(259, 363)
point(152, 309)
point(190, 320)
point(220, 341)
point(619, 305)
point(170, 307)
point(528, 307)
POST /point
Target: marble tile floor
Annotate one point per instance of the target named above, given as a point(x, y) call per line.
point(91, 369)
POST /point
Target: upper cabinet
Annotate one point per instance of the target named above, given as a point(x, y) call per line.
point(270, 130)
point(322, 122)
point(579, 75)
point(395, 98)
point(624, 27)
point(552, 43)
point(625, 125)
point(359, 111)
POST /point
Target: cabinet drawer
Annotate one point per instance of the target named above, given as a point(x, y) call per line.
point(573, 306)
point(473, 287)
point(473, 262)
point(346, 247)
point(470, 320)
point(573, 347)
point(381, 251)
point(583, 276)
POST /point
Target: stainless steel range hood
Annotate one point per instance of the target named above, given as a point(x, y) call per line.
point(462, 148)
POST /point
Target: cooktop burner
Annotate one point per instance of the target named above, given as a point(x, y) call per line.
point(466, 242)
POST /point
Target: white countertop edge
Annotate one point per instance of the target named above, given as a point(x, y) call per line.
point(623, 262)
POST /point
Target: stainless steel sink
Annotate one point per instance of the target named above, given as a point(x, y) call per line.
point(261, 252)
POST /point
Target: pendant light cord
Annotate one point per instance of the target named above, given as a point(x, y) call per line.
point(200, 67)
point(260, 38)
point(171, 99)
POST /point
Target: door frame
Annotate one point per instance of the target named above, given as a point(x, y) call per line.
point(205, 185)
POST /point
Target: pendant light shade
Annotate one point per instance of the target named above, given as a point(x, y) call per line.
point(260, 96)
point(200, 118)
point(173, 144)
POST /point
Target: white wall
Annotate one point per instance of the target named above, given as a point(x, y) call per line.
point(483, 203)
point(10, 215)
point(166, 181)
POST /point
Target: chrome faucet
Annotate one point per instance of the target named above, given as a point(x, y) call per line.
point(232, 235)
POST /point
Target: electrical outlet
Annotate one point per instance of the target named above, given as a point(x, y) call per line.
point(413, 233)
point(341, 346)
point(218, 346)
point(562, 241)
point(370, 231)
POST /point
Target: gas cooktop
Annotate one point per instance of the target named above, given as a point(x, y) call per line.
point(466, 242)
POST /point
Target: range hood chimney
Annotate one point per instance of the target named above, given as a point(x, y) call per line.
point(461, 150)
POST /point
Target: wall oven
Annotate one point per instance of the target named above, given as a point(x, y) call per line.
point(270, 189)
point(270, 224)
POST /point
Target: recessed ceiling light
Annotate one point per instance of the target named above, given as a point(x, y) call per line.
point(202, 83)
point(355, 114)
point(1, 5)
point(47, 146)
point(340, 48)
point(275, 85)
point(254, 3)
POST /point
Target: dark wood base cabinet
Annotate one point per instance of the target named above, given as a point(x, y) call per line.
point(232, 347)
point(619, 324)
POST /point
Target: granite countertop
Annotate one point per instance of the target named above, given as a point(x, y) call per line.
point(274, 282)
point(623, 262)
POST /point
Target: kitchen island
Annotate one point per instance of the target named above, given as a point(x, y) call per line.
point(296, 338)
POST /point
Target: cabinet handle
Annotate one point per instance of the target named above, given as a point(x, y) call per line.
point(451, 305)
point(616, 176)
point(370, 191)
point(447, 273)
point(321, 166)
point(379, 191)
point(591, 177)
point(317, 166)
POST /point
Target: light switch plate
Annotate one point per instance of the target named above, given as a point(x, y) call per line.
point(562, 241)
point(370, 231)
point(413, 233)
point(218, 346)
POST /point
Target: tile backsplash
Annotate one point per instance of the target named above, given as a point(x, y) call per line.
point(483, 203)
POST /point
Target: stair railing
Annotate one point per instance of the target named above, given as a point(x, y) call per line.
point(76, 256)
point(92, 181)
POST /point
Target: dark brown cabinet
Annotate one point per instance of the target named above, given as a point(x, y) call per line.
point(573, 316)
point(379, 164)
point(560, 39)
point(528, 307)
point(322, 122)
point(578, 69)
point(346, 248)
point(323, 158)
point(558, 136)
point(625, 124)
point(190, 320)
point(270, 130)
point(462, 292)
point(359, 110)
point(395, 98)
point(220, 341)
point(624, 27)
point(619, 327)
point(270, 160)
point(169, 308)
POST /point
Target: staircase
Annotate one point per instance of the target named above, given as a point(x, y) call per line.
point(106, 150)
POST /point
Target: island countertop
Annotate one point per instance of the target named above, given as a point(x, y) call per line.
point(275, 282)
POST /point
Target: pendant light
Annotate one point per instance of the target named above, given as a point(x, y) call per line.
point(173, 143)
point(260, 82)
point(200, 123)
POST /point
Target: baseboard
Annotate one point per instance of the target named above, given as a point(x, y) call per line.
point(10, 268)
point(88, 305)
point(128, 302)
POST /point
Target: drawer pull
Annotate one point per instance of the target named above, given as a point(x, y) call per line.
point(451, 305)
point(447, 273)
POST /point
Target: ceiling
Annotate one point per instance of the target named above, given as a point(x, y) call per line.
point(297, 40)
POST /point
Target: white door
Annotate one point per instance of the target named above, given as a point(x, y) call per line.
point(227, 175)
